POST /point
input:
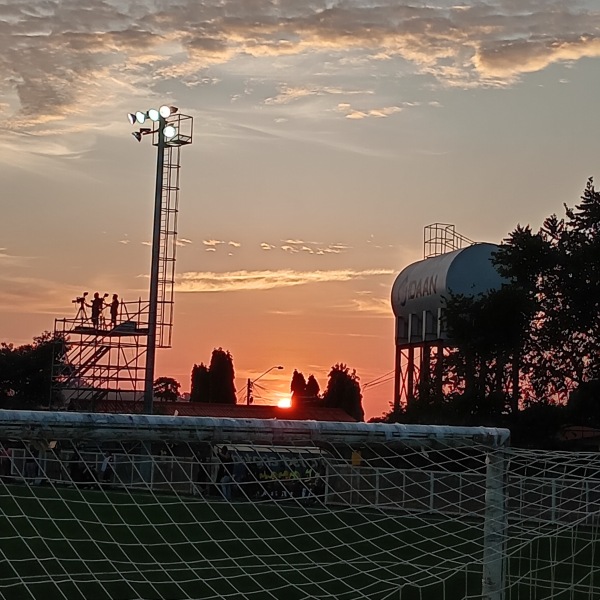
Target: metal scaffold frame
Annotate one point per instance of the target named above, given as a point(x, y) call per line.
point(101, 363)
point(439, 238)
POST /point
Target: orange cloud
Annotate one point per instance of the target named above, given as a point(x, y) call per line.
point(265, 280)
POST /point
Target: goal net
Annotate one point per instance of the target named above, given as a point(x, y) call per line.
point(131, 507)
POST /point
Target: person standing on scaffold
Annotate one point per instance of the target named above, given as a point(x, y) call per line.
point(96, 306)
point(114, 310)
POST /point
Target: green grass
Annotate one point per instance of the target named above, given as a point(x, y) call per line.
point(92, 545)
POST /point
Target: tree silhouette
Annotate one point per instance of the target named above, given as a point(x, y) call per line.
point(215, 383)
point(297, 387)
point(312, 388)
point(343, 391)
point(304, 391)
point(26, 373)
point(559, 269)
point(166, 389)
point(200, 384)
point(584, 404)
point(489, 334)
point(221, 377)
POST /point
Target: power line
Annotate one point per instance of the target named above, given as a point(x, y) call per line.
point(379, 383)
point(376, 381)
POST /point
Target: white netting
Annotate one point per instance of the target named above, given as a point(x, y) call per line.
point(122, 507)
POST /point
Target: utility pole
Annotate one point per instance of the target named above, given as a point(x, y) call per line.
point(249, 398)
point(251, 382)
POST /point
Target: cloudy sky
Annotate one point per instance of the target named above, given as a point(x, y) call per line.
point(327, 134)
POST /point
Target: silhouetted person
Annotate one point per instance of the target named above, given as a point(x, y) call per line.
point(96, 307)
point(225, 473)
point(114, 310)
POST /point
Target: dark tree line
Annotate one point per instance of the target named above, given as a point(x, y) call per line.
point(528, 355)
point(215, 383)
point(26, 371)
point(26, 374)
point(343, 391)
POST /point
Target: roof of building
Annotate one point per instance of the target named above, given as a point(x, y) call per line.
point(232, 411)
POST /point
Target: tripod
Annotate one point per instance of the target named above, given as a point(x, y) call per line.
point(81, 313)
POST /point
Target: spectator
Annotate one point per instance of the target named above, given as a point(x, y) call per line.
point(225, 473)
point(97, 305)
point(114, 310)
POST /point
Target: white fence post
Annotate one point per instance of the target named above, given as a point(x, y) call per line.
point(494, 531)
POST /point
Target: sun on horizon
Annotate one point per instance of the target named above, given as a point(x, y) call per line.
point(285, 402)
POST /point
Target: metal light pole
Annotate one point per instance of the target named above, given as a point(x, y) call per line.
point(154, 264)
point(251, 382)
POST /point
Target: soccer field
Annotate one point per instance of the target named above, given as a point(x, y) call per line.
point(98, 545)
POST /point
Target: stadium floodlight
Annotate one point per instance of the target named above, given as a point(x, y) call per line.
point(166, 111)
point(166, 135)
point(132, 118)
point(169, 132)
point(140, 117)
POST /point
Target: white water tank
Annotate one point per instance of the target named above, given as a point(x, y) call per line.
point(420, 291)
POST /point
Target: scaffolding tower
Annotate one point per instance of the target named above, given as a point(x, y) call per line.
point(105, 362)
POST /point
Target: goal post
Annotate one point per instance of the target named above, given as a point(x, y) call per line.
point(36, 425)
point(104, 506)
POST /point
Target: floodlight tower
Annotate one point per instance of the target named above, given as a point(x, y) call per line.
point(169, 130)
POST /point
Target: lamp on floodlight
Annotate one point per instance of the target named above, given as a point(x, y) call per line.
point(169, 132)
point(143, 131)
point(166, 111)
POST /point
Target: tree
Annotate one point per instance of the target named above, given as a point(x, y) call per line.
point(488, 333)
point(559, 269)
point(166, 389)
point(200, 389)
point(343, 391)
point(584, 404)
point(297, 387)
point(221, 377)
point(304, 391)
point(312, 388)
point(215, 383)
point(26, 372)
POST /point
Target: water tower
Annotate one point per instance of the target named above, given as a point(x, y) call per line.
point(453, 264)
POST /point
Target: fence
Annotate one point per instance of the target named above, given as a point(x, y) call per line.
point(547, 499)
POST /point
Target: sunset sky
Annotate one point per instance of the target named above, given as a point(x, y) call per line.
point(327, 134)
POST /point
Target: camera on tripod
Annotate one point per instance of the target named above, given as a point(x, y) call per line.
point(80, 299)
